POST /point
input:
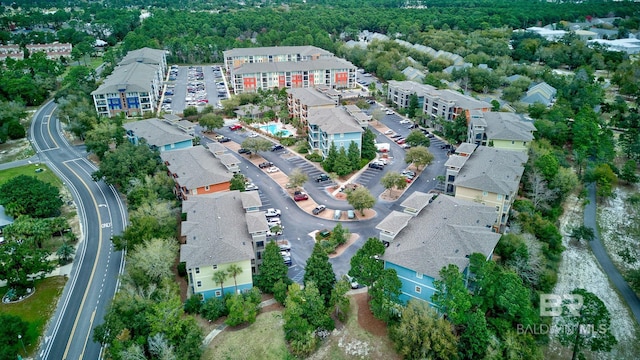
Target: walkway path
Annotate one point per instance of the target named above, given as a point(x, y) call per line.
point(603, 258)
point(12, 164)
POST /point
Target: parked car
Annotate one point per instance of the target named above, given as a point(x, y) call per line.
point(322, 177)
point(273, 169)
point(405, 146)
point(353, 282)
point(394, 136)
point(235, 127)
point(244, 151)
point(250, 187)
point(277, 147)
point(337, 214)
point(270, 212)
point(401, 141)
point(405, 121)
point(389, 112)
point(300, 197)
point(318, 209)
point(253, 135)
point(430, 135)
point(371, 102)
point(266, 164)
point(287, 260)
point(351, 214)
point(224, 139)
point(274, 221)
point(375, 165)
point(388, 132)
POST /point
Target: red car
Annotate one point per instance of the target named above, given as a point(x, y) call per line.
point(401, 141)
point(235, 127)
point(300, 197)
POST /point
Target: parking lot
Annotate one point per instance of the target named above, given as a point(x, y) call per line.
point(197, 86)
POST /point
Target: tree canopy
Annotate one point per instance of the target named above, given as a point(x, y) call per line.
point(27, 195)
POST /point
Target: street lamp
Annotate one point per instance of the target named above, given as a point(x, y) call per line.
point(22, 343)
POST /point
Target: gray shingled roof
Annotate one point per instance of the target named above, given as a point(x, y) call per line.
point(215, 230)
point(217, 148)
point(333, 121)
point(134, 77)
point(228, 159)
point(157, 132)
point(463, 101)
point(508, 126)
point(456, 161)
point(466, 148)
point(277, 50)
point(494, 170)
point(171, 117)
point(196, 167)
point(445, 232)
point(394, 222)
point(250, 199)
point(417, 201)
point(256, 222)
point(145, 55)
point(311, 97)
point(320, 64)
point(412, 86)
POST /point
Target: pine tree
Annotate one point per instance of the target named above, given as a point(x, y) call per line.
point(320, 271)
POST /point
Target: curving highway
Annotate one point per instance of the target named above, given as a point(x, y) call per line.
point(93, 279)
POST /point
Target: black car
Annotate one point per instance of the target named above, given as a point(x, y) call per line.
point(376, 166)
point(266, 164)
point(277, 147)
point(322, 177)
point(244, 151)
point(224, 139)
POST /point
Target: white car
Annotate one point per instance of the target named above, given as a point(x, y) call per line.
point(388, 132)
point(250, 187)
point(273, 169)
point(270, 212)
point(253, 135)
point(274, 221)
point(389, 112)
point(405, 121)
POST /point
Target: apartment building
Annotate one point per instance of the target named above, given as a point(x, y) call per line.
point(54, 50)
point(236, 58)
point(399, 93)
point(134, 87)
point(332, 126)
point(501, 130)
point(301, 100)
point(486, 175)
point(158, 134)
point(11, 51)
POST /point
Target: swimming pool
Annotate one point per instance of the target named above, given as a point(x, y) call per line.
point(274, 130)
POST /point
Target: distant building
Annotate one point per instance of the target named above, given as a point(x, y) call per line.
point(301, 100)
point(629, 46)
point(134, 87)
point(430, 234)
point(413, 74)
point(332, 126)
point(399, 92)
point(158, 134)
point(486, 175)
point(219, 232)
point(542, 93)
point(236, 58)
point(11, 51)
point(198, 171)
point(501, 130)
point(54, 50)
point(549, 34)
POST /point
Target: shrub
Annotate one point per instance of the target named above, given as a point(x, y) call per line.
point(213, 309)
point(288, 141)
point(315, 157)
point(182, 269)
point(193, 304)
point(15, 130)
point(280, 291)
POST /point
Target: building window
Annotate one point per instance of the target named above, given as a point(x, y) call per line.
point(419, 275)
point(512, 142)
point(197, 270)
point(199, 283)
point(215, 267)
point(484, 193)
point(499, 196)
point(418, 290)
point(218, 293)
point(497, 208)
point(206, 187)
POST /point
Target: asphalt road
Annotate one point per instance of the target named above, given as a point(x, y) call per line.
point(94, 276)
point(298, 224)
point(603, 258)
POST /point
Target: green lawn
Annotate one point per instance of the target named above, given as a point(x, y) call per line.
point(37, 309)
point(47, 175)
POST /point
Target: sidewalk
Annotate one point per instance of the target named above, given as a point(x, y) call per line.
point(223, 326)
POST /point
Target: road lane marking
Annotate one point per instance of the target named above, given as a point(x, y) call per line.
point(93, 271)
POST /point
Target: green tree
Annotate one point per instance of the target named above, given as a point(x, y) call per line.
point(19, 262)
point(422, 334)
point(495, 105)
point(27, 195)
point(127, 162)
point(548, 166)
point(353, 154)
point(339, 299)
point(393, 179)
point(297, 327)
point(241, 310)
point(628, 172)
point(339, 234)
point(475, 337)
point(190, 111)
point(151, 262)
point(414, 106)
point(103, 135)
point(366, 265)
point(455, 131)
point(297, 178)
point(384, 296)
point(361, 199)
point(65, 252)
point(12, 328)
point(219, 277)
point(593, 316)
point(605, 180)
point(417, 138)
point(342, 165)
point(368, 145)
point(319, 271)
point(330, 160)
point(420, 156)
point(238, 182)
point(234, 270)
point(452, 296)
point(211, 122)
point(582, 233)
point(272, 269)
point(257, 144)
